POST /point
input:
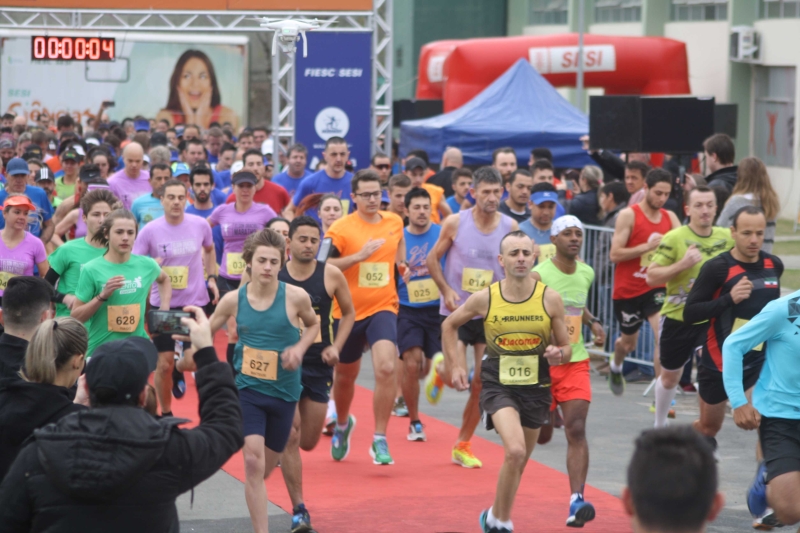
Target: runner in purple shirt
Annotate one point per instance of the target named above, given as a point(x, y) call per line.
point(19, 250)
point(132, 181)
point(181, 244)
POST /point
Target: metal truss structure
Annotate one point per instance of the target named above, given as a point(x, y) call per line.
point(378, 21)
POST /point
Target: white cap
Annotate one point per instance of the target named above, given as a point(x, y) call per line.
point(564, 222)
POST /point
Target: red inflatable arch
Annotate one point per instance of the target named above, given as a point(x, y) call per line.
point(455, 71)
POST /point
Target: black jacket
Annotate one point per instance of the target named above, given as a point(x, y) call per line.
point(444, 179)
point(118, 468)
point(585, 207)
point(12, 355)
point(613, 166)
point(25, 407)
point(724, 176)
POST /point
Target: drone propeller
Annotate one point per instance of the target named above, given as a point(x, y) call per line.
point(261, 19)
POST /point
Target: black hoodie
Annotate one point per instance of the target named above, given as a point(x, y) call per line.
point(118, 468)
point(24, 407)
point(725, 176)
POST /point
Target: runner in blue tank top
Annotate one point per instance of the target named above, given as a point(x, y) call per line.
point(419, 336)
point(267, 359)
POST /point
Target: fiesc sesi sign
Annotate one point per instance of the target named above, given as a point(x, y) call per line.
point(563, 59)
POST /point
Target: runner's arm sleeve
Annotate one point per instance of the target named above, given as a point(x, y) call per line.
point(763, 327)
point(52, 278)
point(203, 450)
point(701, 304)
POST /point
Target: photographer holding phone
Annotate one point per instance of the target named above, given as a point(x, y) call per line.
point(181, 244)
point(112, 290)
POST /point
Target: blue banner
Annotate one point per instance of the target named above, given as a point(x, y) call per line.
point(333, 92)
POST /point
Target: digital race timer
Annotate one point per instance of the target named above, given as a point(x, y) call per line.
point(72, 48)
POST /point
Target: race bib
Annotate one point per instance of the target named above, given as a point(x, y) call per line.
point(647, 259)
point(475, 279)
point(123, 318)
point(739, 322)
point(373, 275)
point(422, 291)
point(574, 325)
point(235, 264)
point(519, 369)
point(178, 276)
point(4, 277)
point(260, 364)
point(546, 251)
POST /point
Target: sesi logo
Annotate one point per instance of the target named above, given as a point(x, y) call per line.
point(562, 59)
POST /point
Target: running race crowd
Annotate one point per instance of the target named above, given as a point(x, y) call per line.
point(307, 271)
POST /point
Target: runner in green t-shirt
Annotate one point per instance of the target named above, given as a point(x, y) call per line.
point(571, 383)
point(67, 261)
point(112, 291)
point(677, 263)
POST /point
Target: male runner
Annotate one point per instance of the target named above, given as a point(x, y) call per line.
point(415, 170)
point(571, 383)
point(267, 360)
point(518, 315)
point(323, 283)
point(399, 185)
point(469, 239)
point(637, 234)
point(461, 182)
point(182, 244)
point(132, 181)
point(334, 178)
point(543, 202)
point(366, 246)
point(519, 191)
point(202, 183)
point(774, 407)
point(678, 260)
point(418, 324)
point(295, 170)
point(148, 206)
point(731, 289)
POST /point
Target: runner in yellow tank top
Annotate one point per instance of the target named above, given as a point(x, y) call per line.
point(519, 315)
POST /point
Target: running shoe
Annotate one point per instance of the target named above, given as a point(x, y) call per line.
point(757, 493)
point(416, 432)
point(434, 384)
point(340, 443)
point(379, 451)
point(713, 443)
point(671, 413)
point(616, 382)
point(689, 388)
point(400, 408)
point(580, 512)
point(178, 382)
point(330, 423)
point(462, 455)
point(486, 529)
point(301, 521)
point(767, 522)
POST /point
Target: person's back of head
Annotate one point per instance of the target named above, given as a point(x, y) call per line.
point(26, 304)
point(617, 191)
point(672, 482)
point(422, 154)
point(454, 157)
point(721, 146)
point(539, 154)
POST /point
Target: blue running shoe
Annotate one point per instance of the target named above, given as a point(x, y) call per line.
point(178, 383)
point(580, 512)
point(757, 493)
point(485, 527)
point(301, 521)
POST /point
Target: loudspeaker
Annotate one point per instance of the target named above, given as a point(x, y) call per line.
point(414, 109)
point(725, 119)
point(650, 124)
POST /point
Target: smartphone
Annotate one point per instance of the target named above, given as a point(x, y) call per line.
point(324, 249)
point(108, 103)
point(167, 322)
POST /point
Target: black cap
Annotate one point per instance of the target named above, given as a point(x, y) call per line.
point(89, 173)
point(118, 370)
point(71, 153)
point(244, 177)
point(33, 151)
point(44, 174)
point(158, 139)
point(415, 162)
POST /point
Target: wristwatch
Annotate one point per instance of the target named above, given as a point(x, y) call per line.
point(597, 320)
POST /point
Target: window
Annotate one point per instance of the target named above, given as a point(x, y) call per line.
point(617, 11)
point(779, 9)
point(699, 10)
point(773, 117)
point(547, 12)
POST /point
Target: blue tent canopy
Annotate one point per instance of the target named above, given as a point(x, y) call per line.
point(519, 109)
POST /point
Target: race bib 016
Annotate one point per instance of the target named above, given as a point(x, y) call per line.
point(519, 369)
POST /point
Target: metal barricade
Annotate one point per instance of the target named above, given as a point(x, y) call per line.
point(596, 247)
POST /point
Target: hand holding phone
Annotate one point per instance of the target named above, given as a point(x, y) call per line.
point(167, 322)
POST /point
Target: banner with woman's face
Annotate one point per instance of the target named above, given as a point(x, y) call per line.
point(182, 82)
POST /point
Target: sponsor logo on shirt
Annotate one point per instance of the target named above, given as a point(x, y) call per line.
point(131, 285)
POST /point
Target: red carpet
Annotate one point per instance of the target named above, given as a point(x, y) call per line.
point(423, 491)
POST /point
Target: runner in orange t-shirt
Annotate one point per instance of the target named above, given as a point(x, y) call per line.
point(366, 246)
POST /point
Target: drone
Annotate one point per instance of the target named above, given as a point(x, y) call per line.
point(288, 32)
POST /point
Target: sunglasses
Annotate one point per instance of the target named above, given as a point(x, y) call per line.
point(383, 167)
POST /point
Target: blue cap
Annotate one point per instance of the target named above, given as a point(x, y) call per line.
point(544, 196)
point(384, 197)
point(181, 169)
point(17, 166)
